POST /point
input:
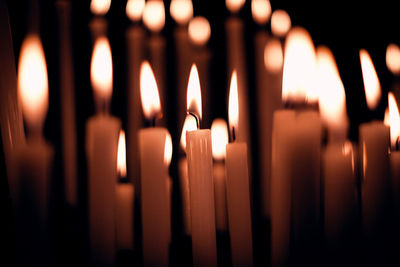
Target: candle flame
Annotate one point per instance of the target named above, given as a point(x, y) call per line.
point(273, 55)
point(134, 9)
point(280, 23)
point(371, 82)
point(233, 105)
point(149, 91)
point(188, 126)
point(154, 15)
point(101, 69)
point(299, 68)
point(261, 11)
point(121, 157)
point(219, 138)
point(100, 7)
point(234, 6)
point(193, 99)
point(168, 150)
point(33, 89)
point(393, 58)
point(386, 120)
point(181, 11)
point(394, 120)
point(199, 31)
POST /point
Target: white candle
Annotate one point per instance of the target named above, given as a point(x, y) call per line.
point(238, 188)
point(199, 156)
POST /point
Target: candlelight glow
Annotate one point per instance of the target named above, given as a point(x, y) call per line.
point(299, 68)
point(386, 120)
point(100, 7)
point(280, 23)
point(189, 125)
point(149, 91)
point(273, 55)
point(219, 138)
point(134, 9)
point(393, 58)
point(154, 15)
point(261, 11)
point(394, 120)
point(371, 82)
point(199, 31)
point(193, 97)
point(121, 157)
point(101, 68)
point(234, 6)
point(181, 11)
point(33, 88)
point(233, 105)
point(332, 98)
point(347, 149)
point(168, 150)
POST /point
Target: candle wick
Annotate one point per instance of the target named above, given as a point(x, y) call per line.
point(196, 118)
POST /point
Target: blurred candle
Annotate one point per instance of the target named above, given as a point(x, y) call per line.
point(393, 64)
point(261, 11)
point(395, 153)
point(280, 23)
point(200, 170)
point(154, 172)
point(238, 188)
point(102, 132)
point(98, 25)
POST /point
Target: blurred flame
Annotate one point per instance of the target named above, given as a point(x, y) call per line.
point(273, 55)
point(394, 120)
point(261, 11)
point(371, 81)
point(33, 88)
point(299, 67)
point(168, 150)
point(181, 11)
point(233, 105)
point(234, 6)
point(364, 167)
point(100, 7)
point(134, 9)
point(332, 98)
point(121, 157)
point(393, 58)
point(347, 149)
point(189, 125)
point(280, 23)
point(219, 138)
point(149, 91)
point(386, 120)
point(154, 15)
point(199, 31)
point(101, 68)
point(193, 98)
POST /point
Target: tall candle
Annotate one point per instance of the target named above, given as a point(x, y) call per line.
point(199, 156)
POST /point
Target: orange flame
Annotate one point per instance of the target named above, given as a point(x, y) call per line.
point(261, 11)
point(168, 150)
point(134, 9)
point(101, 69)
point(234, 6)
point(193, 99)
point(189, 125)
point(181, 11)
point(393, 58)
point(149, 91)
point(394, 120)
point(280, 23)
point(273, 55)
point(386, 119)
point(233, 105)
point(100, 7)
point(199, 31)
point(154, 15)
point(371, 81)
point(121, 157)
point(219, 138)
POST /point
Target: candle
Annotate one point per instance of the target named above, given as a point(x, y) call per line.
point(102, 132)
point(98, 25)
point(237, 188)
point(154, 197)
point(219, 140)
point(199, 157)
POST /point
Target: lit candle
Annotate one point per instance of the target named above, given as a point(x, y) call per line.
point(200, 170)
point(261, 11)
point(238, 188)
point(393, 65)
point(98, 25)
point(280, 23)
point(156, 230)
point(102, 132)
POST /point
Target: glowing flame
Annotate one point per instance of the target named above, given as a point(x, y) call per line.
point(393, 58)
point(168, 150)
point(234, 6)
point(299, 67)
point(199, 31)
point(273, 56)
point(101, 69)
point(394, 120)
point(181, 11)
point(121, 157)
point(134, 9)
point(386, 120)
point(233, 105)
point(149, 91)
point(261, 11)
point(33, 88)
point(280, 23)
point(189, 125)
point(371, 81)
point(332, 98)
point(193, 98)
point(154, 15)
point(219, 138)
point(100, 7)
